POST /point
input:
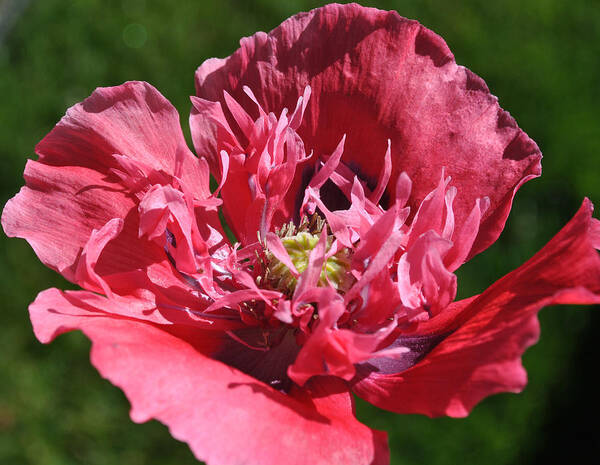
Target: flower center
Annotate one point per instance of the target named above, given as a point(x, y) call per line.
point(298, 243)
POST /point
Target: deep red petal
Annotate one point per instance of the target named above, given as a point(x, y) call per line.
point(482, 355)
point(377, 76)
point(224, 415)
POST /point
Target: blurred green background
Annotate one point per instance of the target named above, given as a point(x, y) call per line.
point(542, 58)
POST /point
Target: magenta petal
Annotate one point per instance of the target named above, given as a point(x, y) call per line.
point(224, 415)
point(377, 76)
point(489, 333)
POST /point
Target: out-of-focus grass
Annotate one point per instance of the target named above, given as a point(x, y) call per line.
point(540, 57)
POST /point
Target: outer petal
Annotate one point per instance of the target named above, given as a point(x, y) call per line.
point(57, 213)
point(482, 356)
point(58, 209)
point(225, 416)
point(133, 119)
point(70, 191)
point(377, 76)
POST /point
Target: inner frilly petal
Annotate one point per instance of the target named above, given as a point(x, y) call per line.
point(407, 257)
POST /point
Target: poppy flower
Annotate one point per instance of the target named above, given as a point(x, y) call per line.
point(357, 167)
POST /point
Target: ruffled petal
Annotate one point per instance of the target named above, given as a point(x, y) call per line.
point(57, 213)
point(422, 278)
point(489, 333)
point(134, 120)
point(262, 156)
point(377, 76)
point(224, 415)
point(74, 189)
point(58, 209)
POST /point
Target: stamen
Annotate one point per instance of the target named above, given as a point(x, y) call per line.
point(289, 257)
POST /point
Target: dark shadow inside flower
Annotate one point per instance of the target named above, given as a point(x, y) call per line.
point(333, 198)
point(370, 181)
point(419, 347)
point(331, 195)
point(263, 354)
point(264, 365)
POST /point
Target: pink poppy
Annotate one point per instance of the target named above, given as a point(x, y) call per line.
point(358, 167)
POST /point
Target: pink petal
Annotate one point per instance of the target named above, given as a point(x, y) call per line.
point(334, 351)
point(488, 334)
point(132, 119)
point(338, 226)
point(86, 273)
point(430, 213)
point(403, 189)
point(298, 115)
point(464, 238)
point(243, 120)
point(58, 209)
point(316, 258)
point(73, 189)
point(320, 355)
point(263, 157)
point(376, 250)
point(384, 177)
point(162, 205)
point(449, 221)
point(212, 131)
point(244, 295)
point(422, 276)
point(277, 248)
point(329, 167)
point(224, 415)
point(380, 302)
point(377, 76)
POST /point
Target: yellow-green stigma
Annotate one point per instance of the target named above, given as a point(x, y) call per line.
point(335, 270)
